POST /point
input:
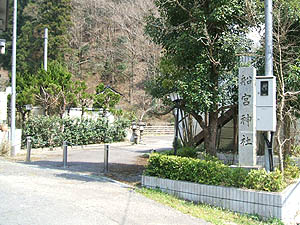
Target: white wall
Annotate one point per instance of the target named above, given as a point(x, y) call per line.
point(3, 106)
point(90, 113)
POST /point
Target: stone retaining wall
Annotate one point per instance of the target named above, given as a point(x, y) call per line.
point(283, 205)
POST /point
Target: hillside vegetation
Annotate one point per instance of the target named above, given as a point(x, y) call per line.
point(100, 41)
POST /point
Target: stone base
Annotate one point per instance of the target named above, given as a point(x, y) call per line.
point(257, 167)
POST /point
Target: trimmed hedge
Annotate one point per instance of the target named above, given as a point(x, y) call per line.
point(190, 152)
point(212, 172)
point(52, 131)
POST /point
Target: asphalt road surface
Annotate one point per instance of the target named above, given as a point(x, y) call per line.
point(35, 195)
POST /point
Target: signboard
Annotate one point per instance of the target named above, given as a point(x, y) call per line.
point(247, 116)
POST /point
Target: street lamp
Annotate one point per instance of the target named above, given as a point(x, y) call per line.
point(176, 98)
point(13, 81)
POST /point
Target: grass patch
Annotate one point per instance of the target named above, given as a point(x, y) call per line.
point(206, 212)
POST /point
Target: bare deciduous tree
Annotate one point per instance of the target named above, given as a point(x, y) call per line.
point(286, 58)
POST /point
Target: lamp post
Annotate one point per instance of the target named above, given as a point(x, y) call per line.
point(175, 97)
point(45, 48)
point(13, 82)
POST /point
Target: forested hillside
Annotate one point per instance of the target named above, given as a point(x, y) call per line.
point(109, 45)
point(100, 41)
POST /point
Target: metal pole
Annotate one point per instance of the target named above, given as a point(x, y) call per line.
point(106, 151)
point(13, 83)
point(270, 149)
point(65, 154)
point(269, 71)
point(176, 132)
point(267, 156)
point(269, 38)
point(45, 49)
point(28, 149)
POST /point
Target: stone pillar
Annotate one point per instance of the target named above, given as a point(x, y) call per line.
point(247, 116)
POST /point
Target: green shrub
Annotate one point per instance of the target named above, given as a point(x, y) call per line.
point(52, 131)
point(212, 172)
point(187, 152)
point(291, 170)
point(295, 150)
point(188, 169)
point(183, 152)
point(4, 148)
point(264, 181)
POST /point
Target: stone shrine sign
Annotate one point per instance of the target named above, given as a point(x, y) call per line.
point(247, 116)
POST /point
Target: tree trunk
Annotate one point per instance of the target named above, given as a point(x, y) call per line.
point(211, 137)
point(235, 131)
point(287, 137)
point(206, 141)
point(131, 80)
point(278, 138)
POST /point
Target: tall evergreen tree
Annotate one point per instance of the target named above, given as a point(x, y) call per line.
point(5, 60)
point(41, 14)
point(201, 40)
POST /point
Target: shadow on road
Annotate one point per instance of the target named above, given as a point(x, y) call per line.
point(156, 149)
point(128, 173)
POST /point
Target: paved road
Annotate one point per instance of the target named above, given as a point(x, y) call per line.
point(125, 162)
point(30, 195)
point(43, 193)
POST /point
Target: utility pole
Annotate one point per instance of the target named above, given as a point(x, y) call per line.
point(269, 38)
point(13, 82)
point(45, 48)
point(269, 72)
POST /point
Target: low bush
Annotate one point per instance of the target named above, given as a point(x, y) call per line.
point(183, 152)
point(264, 181)
point(291, 170)
point(212, 172)
point(4, 148)
point(52, 131)
point(295, 151)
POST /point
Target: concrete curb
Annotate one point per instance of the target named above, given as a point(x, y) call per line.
point(283, 205)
